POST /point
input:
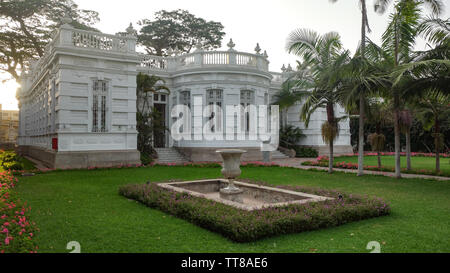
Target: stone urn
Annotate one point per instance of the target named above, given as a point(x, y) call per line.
point(231, 170)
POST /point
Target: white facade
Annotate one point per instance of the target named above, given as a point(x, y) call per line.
point(81, 96)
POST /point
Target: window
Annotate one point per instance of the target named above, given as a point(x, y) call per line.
point(214, 98)
point(185, 98)
point(99, 106)
point(247, 98)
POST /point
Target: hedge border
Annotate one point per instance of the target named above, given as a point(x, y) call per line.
point(246, 226)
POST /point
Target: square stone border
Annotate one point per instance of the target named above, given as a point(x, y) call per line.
point(310, 197)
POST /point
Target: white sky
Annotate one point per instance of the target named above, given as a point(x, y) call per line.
point(247, 22)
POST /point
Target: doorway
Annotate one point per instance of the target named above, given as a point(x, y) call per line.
point(159, 133)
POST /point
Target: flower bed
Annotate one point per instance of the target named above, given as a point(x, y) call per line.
point(16, 230)
point(125, 166)
point(402, 154)
point(322, 161)
point(245, 226)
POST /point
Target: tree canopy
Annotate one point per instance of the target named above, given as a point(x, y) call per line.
point(26, 27)
point(180, 30)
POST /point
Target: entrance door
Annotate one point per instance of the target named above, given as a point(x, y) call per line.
point(159, 134)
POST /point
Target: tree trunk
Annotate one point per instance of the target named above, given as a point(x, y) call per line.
point(331, 159)
point(379, 160)
point(408, 148)
point(397, 145)
point(361, 137)
point(437, 130)
point(361, 97)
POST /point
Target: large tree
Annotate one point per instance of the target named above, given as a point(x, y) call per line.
point(379, 6)
point(325, 58)
point(398, 42)
point(434, 110)
point(27, 26)
point(180, 30)
point(361, 96)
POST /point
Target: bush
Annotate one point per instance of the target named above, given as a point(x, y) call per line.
point(146, 159)
point(245, 226)
point(290, 135)
point(16, 230)
point(9, 160)
point(305, 152)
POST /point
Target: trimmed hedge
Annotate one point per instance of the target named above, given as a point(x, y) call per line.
point(305, 152)
point(246, 226)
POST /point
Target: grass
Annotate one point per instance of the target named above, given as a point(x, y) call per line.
point(85, 206)
point(417, 162)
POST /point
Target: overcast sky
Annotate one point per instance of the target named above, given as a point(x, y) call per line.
point(247, 22)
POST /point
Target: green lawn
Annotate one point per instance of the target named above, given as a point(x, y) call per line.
point(417, 162)
point(85, 206)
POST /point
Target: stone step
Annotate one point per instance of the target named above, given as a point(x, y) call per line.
point(169, 155)
point(278, 155)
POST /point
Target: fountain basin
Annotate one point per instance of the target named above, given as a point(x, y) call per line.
point(254, 197)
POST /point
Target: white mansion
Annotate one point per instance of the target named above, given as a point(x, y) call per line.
point(78, 102)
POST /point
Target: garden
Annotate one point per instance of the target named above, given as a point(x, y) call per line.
point(85, 206)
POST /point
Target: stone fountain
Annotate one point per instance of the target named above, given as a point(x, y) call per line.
point(231, 170)
point(239, 194)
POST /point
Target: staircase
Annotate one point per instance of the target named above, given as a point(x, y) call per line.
point(170, 155)
point(278, 155)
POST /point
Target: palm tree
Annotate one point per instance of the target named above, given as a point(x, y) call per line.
point(376, 113)
point(405, 122)
point(398, 40)
point(147, 86)
point(364, 27)
point(288, 95)
point(434, 109)
point(325, 58)
point(381, 6)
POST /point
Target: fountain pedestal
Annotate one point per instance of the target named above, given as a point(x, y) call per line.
point(231, 170)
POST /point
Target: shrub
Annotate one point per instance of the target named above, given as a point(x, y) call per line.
point(146, 159)
point(245, 226)
point(9, 160)
point(290, 135)
point(305, 152)
point(16, 230)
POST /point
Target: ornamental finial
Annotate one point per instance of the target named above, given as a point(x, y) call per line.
point(283, 68)
point(257, 48)
point(265, 54)
point(66, 20)
point(198, 46)
point(231, 45)
point(130, 30)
